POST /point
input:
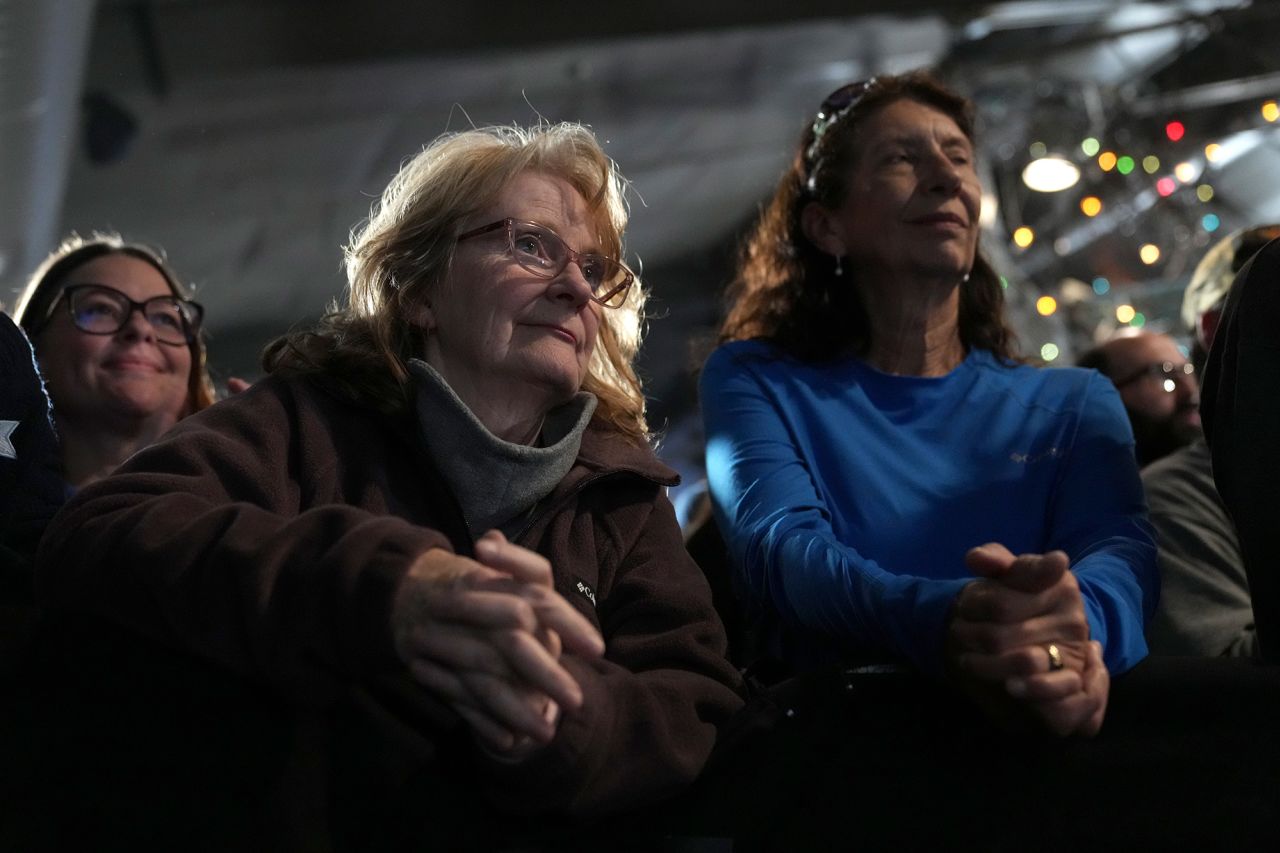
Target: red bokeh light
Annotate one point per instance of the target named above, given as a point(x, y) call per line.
point(1174, 130)
point(1165, 186)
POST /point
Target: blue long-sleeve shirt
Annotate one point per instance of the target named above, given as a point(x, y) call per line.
point(848, 497)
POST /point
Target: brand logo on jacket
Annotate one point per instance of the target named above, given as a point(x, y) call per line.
point(1028, 458)
point(587, 592)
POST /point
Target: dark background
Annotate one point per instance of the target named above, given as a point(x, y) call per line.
point(247, 137)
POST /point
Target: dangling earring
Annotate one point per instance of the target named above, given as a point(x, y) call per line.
point(839, 265)
point(965, 280)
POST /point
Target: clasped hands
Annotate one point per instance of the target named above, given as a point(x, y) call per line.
point(998, 640)
point(486, 635)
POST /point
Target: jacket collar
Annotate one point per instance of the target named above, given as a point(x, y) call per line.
point(606, 451)
point(603, 451)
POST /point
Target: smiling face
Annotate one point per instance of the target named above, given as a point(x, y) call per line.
point(124, 378)
point(912, 198)
point(499, 333)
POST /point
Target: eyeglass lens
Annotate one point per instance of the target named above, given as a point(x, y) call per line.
point(1168, 372)
point(101, 310)
point(542, 251)
point(1171, 370)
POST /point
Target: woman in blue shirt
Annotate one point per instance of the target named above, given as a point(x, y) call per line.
point(876, 455)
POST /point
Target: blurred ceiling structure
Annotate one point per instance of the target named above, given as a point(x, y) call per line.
point(247, 137)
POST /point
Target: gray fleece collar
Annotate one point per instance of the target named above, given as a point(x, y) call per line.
point(496, 482)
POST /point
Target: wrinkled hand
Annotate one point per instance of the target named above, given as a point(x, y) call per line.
point(486, 635)
point(998, 636)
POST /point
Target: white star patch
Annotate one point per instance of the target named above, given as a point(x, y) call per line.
point(6, 444)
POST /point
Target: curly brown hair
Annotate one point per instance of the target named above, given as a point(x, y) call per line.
point(785, 291)
point(405, 249)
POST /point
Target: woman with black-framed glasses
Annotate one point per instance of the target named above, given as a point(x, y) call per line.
point(433, 546)
point(873, 444)
point(120, 347)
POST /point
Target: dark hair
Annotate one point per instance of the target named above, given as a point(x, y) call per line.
point(785, 290)
point(45, 287)
point(1096, 359)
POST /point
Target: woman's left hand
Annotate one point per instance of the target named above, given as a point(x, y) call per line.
point(1003, 626)
point(495, 551)
point(486, 635)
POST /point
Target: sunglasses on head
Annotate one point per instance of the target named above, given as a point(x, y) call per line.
point(835, 107)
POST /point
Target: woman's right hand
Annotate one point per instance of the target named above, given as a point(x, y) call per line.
point(486, 636)
point(1000, 631)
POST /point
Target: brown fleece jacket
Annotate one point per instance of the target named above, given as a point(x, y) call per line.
point(268, 535)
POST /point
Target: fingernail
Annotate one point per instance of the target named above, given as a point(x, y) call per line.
point(1016, 687)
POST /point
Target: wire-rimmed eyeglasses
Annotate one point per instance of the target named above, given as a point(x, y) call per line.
point(835, 107)
point(1167, 371)
point(545, 253)
point(97, 309)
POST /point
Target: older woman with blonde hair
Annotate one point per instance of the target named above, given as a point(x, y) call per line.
point(437, 528)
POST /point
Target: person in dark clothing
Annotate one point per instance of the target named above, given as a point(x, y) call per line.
point(31, 489)
point(1241, 409)
point(431, 553)
point(1204, 597)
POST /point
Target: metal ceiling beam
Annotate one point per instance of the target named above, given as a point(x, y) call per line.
point(1208, 95)
point(43, 46)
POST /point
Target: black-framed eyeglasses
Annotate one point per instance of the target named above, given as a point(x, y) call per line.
point(836, 106)
point(97, 309)
point(1167, 371)
point(545, 253)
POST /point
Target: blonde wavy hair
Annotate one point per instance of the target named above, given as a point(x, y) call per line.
point(1211, 279)
point(404, 250)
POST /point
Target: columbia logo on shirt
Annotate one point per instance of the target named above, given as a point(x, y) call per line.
point(1028, 458)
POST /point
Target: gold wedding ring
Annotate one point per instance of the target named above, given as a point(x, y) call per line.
point(1055, 657)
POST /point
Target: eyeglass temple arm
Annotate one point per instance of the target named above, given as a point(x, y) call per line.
point(485, 229)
